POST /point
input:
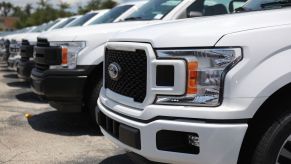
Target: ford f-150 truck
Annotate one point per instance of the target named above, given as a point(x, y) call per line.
point(56, 77)
point(28, 42)
point(69, 71)
point(14, 40)
point(211, 90)
point(7, 38)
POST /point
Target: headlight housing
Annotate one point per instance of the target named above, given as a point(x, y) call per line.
point(70, 51)
point(206, 70)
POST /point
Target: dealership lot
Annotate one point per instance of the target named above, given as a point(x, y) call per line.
point(44, 135)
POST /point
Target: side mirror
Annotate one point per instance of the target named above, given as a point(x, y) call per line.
point(192, 14)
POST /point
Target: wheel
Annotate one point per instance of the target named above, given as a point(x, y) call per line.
point(92, 101)
point(275, 144)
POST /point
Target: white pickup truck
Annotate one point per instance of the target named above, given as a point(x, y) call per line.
point(210, 90)
point(15, 40)
point(5, 40)
point(72, 82)
point(28, 41)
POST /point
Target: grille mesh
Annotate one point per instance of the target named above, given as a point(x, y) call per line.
point(41, 43)
point(133, 79)
point(26, 50)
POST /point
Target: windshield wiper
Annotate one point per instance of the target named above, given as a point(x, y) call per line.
point(133, 18)
point(276, 4)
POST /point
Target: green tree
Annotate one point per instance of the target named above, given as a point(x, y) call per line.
point(63, 9)
point(108, 4)
point(6, 8)
point(42, 14)
point(96, 5)
point(43, 4)
point(28, 9)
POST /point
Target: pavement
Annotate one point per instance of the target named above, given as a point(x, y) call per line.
point(33, 132)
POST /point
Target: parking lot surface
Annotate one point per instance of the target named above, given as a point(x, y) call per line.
point(33, 132)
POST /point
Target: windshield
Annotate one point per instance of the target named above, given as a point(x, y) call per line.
point(154, 9)
point(82, 20)
point(49, 25)
point(64, 23)
point(253, 5)
point(111, 15)
point(39, 28)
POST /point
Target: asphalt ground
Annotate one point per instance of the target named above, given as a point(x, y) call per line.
point(33, 132)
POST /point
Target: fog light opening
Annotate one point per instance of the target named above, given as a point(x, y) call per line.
point(180, 142)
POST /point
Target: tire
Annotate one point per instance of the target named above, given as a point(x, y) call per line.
point(135, 158)
point(270, 146)
point(92, 101)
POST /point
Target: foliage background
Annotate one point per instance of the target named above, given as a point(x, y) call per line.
point(45, 12)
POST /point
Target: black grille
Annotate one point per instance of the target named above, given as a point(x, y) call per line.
point(26, 50)
point(14, 49)
point(41, 43)
point(25, 42)
point(133, 77)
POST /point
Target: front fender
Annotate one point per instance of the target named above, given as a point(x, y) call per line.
point(93, 57)
point(265, 67)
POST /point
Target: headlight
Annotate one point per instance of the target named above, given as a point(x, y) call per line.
point(70, 51)
point(206, 69)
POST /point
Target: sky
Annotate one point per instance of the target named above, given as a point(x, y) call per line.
point(74, 3)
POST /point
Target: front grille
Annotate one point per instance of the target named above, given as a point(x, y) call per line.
point(14, 49)
point(133, 75)
point(26, 50)
point(41, 43)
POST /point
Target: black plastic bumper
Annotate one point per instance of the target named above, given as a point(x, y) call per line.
point(63, 88)
point(126, 134)
point(11, 64)
point(24, 69)
point(4, 52)
point(26, 51)
point(25, 65)
point(4, 55)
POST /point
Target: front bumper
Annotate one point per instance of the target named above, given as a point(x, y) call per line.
point(24, 69)
point(4, 55)
point(12, 63)
point(220, 143)
point(26, 64)
point(62, 88)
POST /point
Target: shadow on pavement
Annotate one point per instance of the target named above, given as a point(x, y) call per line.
point(66, 124)
point(128, 158)
point(117, 159)
point(11, 76)
point(3, 65)
point(30, 97)
point(19, 84)
point(7, 70)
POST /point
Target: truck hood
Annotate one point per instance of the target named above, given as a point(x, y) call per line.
point(31, 37)
point(16, 37)
point(203, 31)
point(94, 34)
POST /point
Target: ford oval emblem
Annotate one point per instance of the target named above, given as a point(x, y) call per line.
point(114, 71)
